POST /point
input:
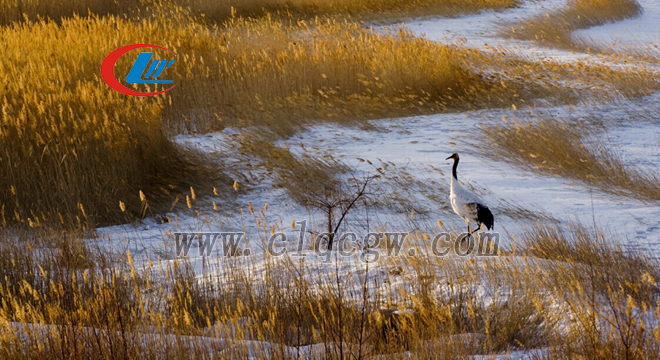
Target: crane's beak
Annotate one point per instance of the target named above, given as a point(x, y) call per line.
point(451, 157)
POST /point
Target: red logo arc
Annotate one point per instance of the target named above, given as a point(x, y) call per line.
point(108, 70)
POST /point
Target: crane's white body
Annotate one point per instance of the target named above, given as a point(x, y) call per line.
point(463, 202)
point(466, 204)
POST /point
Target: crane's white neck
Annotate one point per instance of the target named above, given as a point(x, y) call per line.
point(454, 177)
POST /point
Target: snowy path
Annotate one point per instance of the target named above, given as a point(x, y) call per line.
point(642, 32)
point(482, 32)
point(428, 140)
point(480, 29)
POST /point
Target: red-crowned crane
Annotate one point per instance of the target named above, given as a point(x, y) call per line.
point(466, 204)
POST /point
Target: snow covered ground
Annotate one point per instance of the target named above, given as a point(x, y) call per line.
point(640, 32)
point(482, 31)
point(422, 141)
point(419, 145)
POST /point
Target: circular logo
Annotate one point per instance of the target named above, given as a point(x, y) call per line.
point(144, 70)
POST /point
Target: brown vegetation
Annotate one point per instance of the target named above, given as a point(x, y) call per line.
point(219, 11)
point(73, 149)
point(568, 292)
point(572, 151)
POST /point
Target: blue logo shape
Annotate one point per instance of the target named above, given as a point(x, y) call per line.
point(156, 68)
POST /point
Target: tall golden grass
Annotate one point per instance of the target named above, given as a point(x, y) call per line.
point(31, 10)
point(20, 10)
point(284, 74)
point(379, 10)
point(281, 74)
point(72, 148)
point(569, 293)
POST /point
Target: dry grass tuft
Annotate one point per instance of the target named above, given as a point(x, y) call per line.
point(607, 293)
point(368, 9)
point(218, 11)
point(572, 151)
point(283, 74)
point(556, 28)
point(302, 176)
point(601, 255)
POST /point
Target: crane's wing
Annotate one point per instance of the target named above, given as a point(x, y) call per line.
point(476, 212)
point(465, 196)
point(468, 210)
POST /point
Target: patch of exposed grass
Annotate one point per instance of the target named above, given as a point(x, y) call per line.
point(556, 28)
point(304, 177)
point(281, 74)
point(560, 82)
point(602, 288)
point(378, 10)
point(218, 11)
point(572, 151)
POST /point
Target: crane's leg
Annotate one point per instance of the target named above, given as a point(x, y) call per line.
point(469, 232)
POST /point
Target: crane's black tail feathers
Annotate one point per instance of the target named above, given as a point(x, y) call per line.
point(485, 217)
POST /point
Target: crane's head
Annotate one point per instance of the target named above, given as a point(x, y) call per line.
point(453, 156)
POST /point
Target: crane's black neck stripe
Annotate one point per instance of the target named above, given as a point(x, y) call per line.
point(453, 169)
